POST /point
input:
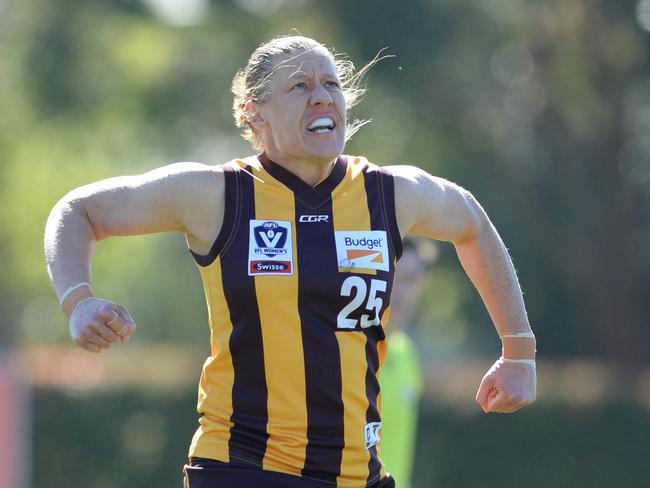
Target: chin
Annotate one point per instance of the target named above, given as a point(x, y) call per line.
point(326, 155)
point(327, 150)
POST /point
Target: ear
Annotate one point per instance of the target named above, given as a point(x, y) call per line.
point(253, 115)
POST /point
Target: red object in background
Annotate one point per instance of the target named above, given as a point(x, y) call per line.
point(14, 415)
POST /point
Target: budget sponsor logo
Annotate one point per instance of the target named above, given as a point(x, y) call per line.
point(362, 249)
point(270, 247)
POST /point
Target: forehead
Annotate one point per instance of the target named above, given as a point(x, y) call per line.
point(313, 62)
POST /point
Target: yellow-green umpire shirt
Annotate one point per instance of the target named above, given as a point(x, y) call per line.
point(401, 388)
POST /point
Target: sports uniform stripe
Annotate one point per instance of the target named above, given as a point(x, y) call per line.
point(232, 206)
point(317, 271)
point(382, 350)
point(217, 378)
point(387, 194)
point(355, 456)
point(376, 188)
point(282, 340)
point(374, 335)
point(379, 189)
point(248, 434)
point(352, 214)
point(215, 386)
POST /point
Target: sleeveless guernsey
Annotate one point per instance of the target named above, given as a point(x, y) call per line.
point(298, 285)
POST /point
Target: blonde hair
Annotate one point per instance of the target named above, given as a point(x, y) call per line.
point(251, 82)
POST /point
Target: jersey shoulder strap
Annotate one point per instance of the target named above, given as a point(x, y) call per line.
point(380, 184)
point(232, 210)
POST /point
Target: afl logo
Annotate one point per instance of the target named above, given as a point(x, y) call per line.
point(270, 249)
point(270, 239)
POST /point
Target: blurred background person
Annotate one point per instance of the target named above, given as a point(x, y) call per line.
point(401, 377)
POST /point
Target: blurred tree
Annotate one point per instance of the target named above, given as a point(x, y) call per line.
point(539, 108)
point(547, 99)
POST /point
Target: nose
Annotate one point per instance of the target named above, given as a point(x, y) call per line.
point(320, 96)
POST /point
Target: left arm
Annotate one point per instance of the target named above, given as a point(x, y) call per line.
point(438, 209)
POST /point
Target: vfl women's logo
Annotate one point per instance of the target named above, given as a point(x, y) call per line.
point(270, 238)
point(269, 247)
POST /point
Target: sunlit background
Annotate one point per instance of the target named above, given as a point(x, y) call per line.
point(541, 108)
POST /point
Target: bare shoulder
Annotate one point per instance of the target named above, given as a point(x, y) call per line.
point(189, 168)
point(171, 177)
point(186, 197)
point(181, 174)
point(431, 206)
point(202, 188)
point(415, 181)
point(197, 192)
point(194, 187)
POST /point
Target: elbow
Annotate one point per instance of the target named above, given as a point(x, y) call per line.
point(475, 221)
point(73, 209)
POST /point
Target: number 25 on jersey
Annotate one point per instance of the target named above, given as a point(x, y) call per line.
point(355, 287)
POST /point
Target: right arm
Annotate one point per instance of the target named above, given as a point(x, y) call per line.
point(183, 197)
point(439, 209)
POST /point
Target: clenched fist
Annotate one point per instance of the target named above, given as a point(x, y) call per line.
point(96, 323)
point(507, 386)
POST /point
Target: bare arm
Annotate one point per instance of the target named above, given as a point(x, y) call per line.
point(183, 197)
point(436, 208)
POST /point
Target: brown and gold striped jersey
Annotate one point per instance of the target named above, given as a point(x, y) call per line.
point(298, 285)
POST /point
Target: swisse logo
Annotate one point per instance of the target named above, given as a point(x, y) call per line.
point(270, 266)
point(362, 250)
point(270, 247)
point(314, 218)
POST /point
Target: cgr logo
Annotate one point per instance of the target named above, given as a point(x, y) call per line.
point(314, 218)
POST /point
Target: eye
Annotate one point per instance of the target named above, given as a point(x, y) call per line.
point(301, 85)
point(332, 84)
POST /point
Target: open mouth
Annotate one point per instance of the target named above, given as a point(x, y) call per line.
point(322, 125)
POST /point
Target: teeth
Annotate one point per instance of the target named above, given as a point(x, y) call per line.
point(321, 122)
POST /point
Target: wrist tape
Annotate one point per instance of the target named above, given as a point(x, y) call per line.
point(74, 296)
point(520, 346)
point(530, 362)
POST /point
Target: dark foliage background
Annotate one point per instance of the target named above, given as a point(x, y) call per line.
point(540, 108)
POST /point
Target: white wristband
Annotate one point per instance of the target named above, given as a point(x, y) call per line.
point(71, 289)
point(530, 362)
point(520, 334)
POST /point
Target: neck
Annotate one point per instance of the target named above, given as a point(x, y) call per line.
point(311, 172)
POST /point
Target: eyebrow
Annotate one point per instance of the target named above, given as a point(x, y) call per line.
point(299, 75)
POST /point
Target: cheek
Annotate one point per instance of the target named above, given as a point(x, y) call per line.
point(340, 99)
point(279, 123)
point(343, 111)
